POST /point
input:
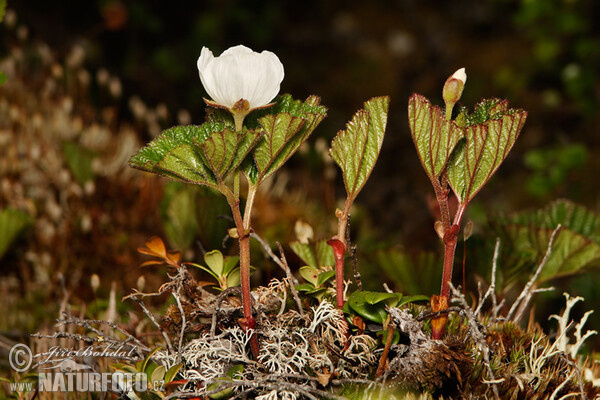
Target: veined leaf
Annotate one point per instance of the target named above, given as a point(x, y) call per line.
point(575, 247)
point(434, 136)
point(356, 149)
point(324, 253)
point(305, 252)
point(204, 154)
point(224, 151)
point(287, 125)
point(490, 133)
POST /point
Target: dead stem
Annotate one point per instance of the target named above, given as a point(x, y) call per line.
point(492, 288)
point(522, 301)
point(154, 321)
point(290, 278)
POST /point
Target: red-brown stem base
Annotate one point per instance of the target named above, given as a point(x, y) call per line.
point(438, 303)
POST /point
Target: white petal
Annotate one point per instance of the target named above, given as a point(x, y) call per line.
point(240, 73)
point(461, 75)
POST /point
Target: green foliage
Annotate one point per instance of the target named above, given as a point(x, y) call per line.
point(190, 213)
point(526, 236)
point(315, 281)
point(12, 224)
point(178, 211)
point(158, 376)
point(434, 136)
point(372, 305)
point(319, 259)
point(3, 78)
point(490, 133)
point(205, 154)
point(288, 124)
point(79, 161)
point(234, 372)
point(410, 273)
point(551, 166)
point(223, 269)
point(318, 254)
point(2, 11)
point(355, 150)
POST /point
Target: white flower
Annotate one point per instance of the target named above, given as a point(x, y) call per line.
point(240, 74)
point(461, 75)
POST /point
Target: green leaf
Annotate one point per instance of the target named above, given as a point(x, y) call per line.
point(2, 11)
point(526, 236)
point(305, 287)
point(356, 148)
point(203, 268)
point(229, 264)
point(205, 154)
point(236, 371)
point(324, 254)
point(146, 360)
point(285, 128)
point(224, 151)
point(490, 133)
point(158, 374)
point(12, 224)
point(172, 373)
point(310, 275)
point(234, 278)
point(413, 299)
point(433, 135)
point(214, 261)
point(3, 78)
point(371, 305)
point(324, 277)
point(305, 252)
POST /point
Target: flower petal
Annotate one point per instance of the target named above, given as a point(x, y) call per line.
point(240, 73)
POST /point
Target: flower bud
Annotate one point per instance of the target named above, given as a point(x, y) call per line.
point(453, 89)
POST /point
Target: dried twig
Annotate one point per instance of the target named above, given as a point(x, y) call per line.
point(265, 382)
point(229, 291)
point(154, 321)
point(492, 288)
point(267, 250)
point(522, 301)
point(290, 278)
point(183, 325)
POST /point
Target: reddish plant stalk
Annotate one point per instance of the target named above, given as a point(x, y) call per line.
point(339, 249)
point(243, 232)
point(450, 240)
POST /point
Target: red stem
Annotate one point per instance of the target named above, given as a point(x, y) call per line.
point(244, 240)
point(339, 249)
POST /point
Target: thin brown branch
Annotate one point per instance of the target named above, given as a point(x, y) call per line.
point(290, 278)
point(522, 301)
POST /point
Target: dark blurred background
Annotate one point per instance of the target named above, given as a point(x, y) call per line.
point(542, 55)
